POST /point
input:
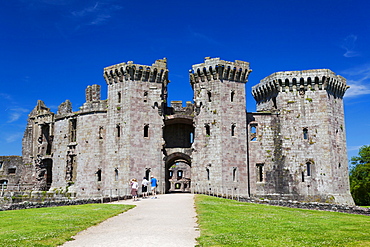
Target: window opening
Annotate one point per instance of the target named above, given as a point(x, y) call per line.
point(260, 172)
point(305, 133)
point(119, 97)
point(101, 132)
point(253, 132)
point(308, 168)
point(232, 96)
point(145, 96)
point(191, 137)
point(209, 96)
point(98, 175)
point(302, 176)
point(146, 130)
point(177, 186)
point(207, 173)
point(170, 174)
point(1, 165)
point(274, 102)
point(11, 170)
point(233, 130)
point(147, 173)
point(116, 174)
point(234, 174)
point(118, 128)
point(179, 174)
point(73, 129)
point(208, 130)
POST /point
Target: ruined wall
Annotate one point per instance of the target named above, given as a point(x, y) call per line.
point(219, 157)
point(11, 170)
point(136, 97)
point(308, 160)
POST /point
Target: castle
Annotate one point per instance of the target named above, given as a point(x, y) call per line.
point(293, 147)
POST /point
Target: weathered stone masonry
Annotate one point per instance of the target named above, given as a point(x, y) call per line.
point(293, 147)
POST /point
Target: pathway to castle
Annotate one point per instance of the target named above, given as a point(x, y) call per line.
point(169, 220)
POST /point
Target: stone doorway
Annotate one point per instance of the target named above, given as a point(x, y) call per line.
point(178, 174)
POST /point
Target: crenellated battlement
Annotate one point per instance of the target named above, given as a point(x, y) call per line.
point(318, 79)
point(217, 69)
point(158, 72)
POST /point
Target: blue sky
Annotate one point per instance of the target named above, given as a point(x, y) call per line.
point(52, 49)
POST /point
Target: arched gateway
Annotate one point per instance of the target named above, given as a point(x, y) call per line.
point(178, 134)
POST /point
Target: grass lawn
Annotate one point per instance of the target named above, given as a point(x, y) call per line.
point(226, 222)
point(52, 226)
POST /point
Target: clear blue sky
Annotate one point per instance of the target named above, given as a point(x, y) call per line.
point(52, 49)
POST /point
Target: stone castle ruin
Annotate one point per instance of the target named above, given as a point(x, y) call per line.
point(292, 148)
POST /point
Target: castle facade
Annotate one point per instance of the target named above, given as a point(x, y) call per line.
point(293, 147)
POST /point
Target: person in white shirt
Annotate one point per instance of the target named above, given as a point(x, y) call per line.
point(134, 186)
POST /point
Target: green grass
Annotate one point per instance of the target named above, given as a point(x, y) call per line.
point(226, 222)
point(52, 226)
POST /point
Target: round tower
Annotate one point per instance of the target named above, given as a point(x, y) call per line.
point(307, 159)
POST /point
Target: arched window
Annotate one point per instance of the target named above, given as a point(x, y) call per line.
point(233, 130)
point(234, 174)
point(308, 168)
point(305, 133)
point(232, 96)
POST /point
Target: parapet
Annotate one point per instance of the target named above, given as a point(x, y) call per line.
point(316, 79)
point(217, 69)
point(158, 72)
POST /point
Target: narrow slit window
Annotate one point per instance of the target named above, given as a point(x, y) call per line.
point(302, 176)
point(179, 174)
point(232, 96)
point(233, 130)
point(191, 137)
point(116, 174)
point(118, 129)
point(260, 172)
point(73, 129)
point(119, 97)
point(146, 130)
point(308, 168)
point(234, 174)
point(208, 130)
point(209, 96)
point(98, 175)
point(305, 133)
point(207, 173)
point(253, 132)
point(145, 96)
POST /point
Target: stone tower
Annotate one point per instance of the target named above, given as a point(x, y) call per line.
point(297, 137)
point(220, 147)
point(137, 95)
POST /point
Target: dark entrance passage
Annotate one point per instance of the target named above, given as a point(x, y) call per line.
point(178, 173)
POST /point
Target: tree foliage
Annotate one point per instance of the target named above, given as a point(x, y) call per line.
point(359, 177)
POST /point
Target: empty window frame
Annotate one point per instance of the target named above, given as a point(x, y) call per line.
point(98, 175)
point(119, 96)
point(73, 130)
point(208, 129)
point(116, 174)
point(233, 129)
point(1, 165)
point(234, 174)
point(260, 172)
point(145, 96)
point(146, 130)
point(253, 132)
point(209, 94)
point(118, 130)
point(232, 95)
point(308, 169)
point(11, 170)
point(305, 133)
point(179, 174)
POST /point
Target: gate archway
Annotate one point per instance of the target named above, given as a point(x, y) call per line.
point(178, 173)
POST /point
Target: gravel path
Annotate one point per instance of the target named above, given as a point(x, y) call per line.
point(169, 220)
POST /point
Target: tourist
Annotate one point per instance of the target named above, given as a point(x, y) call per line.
point(154, 184)
point(134, 186)
point(144, 187)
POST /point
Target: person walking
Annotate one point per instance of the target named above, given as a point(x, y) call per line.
point(154, 184)
point(134, 186)
point(144, 187)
